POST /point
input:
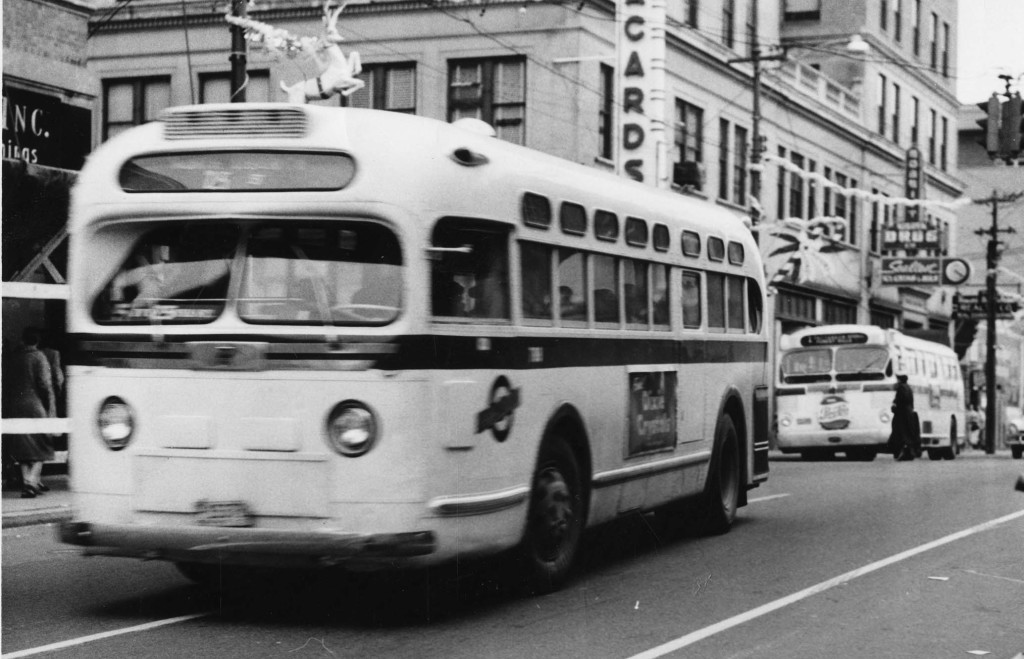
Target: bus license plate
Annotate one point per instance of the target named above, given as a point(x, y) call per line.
point(224, 513)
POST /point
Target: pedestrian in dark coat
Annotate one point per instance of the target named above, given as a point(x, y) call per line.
point(905, 438)
point(28, 394)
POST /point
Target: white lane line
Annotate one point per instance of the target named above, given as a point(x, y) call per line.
point(700, 634)
point(99, 637)
point(767, 498)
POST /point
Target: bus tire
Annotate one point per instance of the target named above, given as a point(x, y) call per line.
point(950, 453)
point(555, 521)
point(934, 454)
point(717, 507)
point(204, 574)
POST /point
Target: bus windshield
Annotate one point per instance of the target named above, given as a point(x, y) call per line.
point(291, 273)
point(850, 364)
point(802, 366)
point(861, 363)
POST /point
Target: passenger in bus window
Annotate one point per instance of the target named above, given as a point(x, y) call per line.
point(636, 303)
point(447, 295)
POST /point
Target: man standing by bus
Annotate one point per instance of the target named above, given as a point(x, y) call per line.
point(905, 439)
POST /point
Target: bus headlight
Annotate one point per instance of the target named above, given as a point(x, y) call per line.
point(116, 423)
point(885, 417)
point(785, 421)
point(351, 428)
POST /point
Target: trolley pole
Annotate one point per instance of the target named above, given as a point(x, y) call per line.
point(992, 295)
point(238, 53)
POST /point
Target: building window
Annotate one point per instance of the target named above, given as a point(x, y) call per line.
point(723, 159)
point(875, 230)
point(896, 113)
point(128, 103)
point(812, 190)
point(796, 188)
point(935, 41)
point(915, 121)
point(388, 87)
point(780, 189)
point(883, 16)
point(794, 306)
point(492, 90)
point(691, 11)
point(915, 25)
point(943, 136)
point(897, 20)
point(837, 313)
point(883, 88)
point(728, 23)
point(932, 127)
point(852, 224)
point(945, 50)
point(840, 200)
point(739, 165)
point(216, 87)
point(802, 10)
point(606, 113)
point(689, 136)
point(826, 194)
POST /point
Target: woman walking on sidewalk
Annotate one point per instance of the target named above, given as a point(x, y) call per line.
point(28, 393)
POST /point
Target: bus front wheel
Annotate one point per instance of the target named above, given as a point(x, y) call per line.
point(555, 520)
point(717, 508)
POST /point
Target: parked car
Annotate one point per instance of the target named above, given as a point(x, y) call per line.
point(1015, 431)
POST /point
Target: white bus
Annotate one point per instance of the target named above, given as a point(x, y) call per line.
point(836, 387)
point(336, 337)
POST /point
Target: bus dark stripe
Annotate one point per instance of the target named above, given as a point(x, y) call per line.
point(437, 351)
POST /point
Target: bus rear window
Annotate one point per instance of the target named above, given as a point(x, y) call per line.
point(804, 366)
point(237, 171)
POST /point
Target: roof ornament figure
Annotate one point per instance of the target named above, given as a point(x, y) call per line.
point(337, 72)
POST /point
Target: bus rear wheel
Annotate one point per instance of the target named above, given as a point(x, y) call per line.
point(555, 520)
point(717, 508)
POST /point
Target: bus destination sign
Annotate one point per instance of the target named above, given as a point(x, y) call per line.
point(845, 339)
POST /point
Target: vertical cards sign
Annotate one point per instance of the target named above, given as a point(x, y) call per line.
point(641, 64)
point(652, 411)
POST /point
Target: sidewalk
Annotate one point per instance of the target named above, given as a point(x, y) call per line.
point(53, 506)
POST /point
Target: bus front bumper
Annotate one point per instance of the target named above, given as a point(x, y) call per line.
point(245, 546)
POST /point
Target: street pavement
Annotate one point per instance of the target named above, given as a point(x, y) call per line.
point(52, 506)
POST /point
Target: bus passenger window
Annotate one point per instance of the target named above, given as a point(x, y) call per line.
point(469, 271)
point(716, 300)
point(735, 303)
point(572, 286)
point(635, 291)
point(606, 289)
point(755, 306)
point(659, 280)
point(691, 299)
point(536, 271)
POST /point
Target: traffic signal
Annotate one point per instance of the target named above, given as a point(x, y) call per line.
point(990, 124)
point(1009, 132)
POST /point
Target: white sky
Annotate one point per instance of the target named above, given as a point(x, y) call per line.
point(991, 42)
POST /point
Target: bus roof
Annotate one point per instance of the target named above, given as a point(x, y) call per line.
point(415, 161)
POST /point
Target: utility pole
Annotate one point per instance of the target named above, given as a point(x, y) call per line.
point(992, 300)
point(238, 53)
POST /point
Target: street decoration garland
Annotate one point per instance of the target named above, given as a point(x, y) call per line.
point(808, 241)
point(337, 72)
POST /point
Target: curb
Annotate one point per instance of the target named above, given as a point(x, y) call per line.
point(35, 517)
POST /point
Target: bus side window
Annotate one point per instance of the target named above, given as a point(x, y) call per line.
point(660, 284)
point(635, 291)
point(691, 299)
point(755, 306)
point(471, 283)
point(606, 289)
point(734, 304)
point(572, 285)
point(716, 300)
point(535, 265)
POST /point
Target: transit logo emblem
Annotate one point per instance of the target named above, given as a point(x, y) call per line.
point(499, 415)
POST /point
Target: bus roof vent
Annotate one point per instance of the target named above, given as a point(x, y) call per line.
point(194, 123)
